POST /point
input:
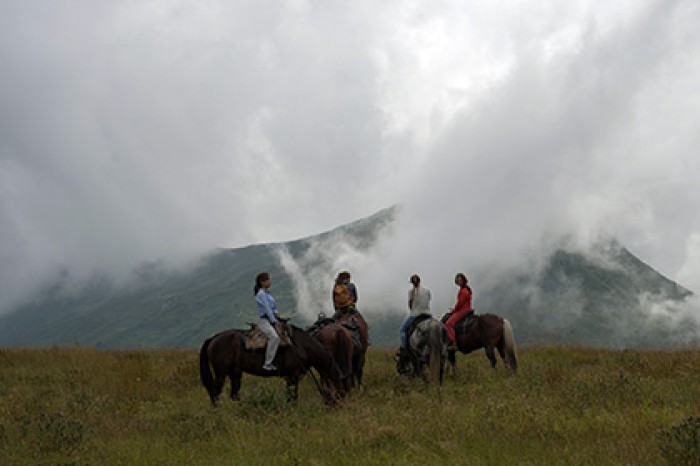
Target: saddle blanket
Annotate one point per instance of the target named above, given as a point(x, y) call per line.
point(257, 340)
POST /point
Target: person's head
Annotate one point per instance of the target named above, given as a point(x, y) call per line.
point(262, 280)
point(461, 280)
point(343, 278)
point(415, 280)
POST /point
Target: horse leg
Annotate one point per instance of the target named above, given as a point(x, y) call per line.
point(347, 381)
point(357, 371)
point(491, 355)
point(292, 389)
point(219, 380)
point(236, 375)
point(443, 367)
point(452, 361)
point(502, 354)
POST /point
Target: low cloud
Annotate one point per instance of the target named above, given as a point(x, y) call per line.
point(160, 130)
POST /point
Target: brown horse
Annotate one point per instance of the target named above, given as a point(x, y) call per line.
point(359, 329)
point(490, 332)
point(337, 341)
point(225, 355)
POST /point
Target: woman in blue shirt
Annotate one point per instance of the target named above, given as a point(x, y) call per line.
point(267, 310)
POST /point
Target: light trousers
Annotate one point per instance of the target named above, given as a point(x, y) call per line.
point(273, 340)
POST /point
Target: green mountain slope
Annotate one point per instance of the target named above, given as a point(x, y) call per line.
point(608, 298)
point(576, 299)
point(169, 309)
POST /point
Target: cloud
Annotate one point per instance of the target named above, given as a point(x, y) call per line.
point(132, 132)
point(690, 271)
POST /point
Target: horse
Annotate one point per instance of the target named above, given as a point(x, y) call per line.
point(337, 341)
point(224, 354)
point(427, 347)
point(487, 331)
point(353, 320)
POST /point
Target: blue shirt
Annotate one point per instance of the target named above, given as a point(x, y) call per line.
point(266, 305)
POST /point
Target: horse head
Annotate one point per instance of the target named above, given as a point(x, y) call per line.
point(405, 364)
point(320, 359)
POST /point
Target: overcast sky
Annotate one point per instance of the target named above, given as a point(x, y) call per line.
point(134, 131)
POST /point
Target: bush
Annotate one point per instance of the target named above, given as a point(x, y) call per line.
point(679, 444)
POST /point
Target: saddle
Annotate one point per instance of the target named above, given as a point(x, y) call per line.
point(353, 326)
point(462, 325)
point(257, 340)
point(314, 328)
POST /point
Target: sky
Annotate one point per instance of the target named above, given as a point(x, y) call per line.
point(159, 130)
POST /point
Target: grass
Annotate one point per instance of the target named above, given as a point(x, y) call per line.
point(567, 405)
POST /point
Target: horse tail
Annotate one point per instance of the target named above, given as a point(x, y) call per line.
point(436, 348)
point(510, 349)
point(205, 369)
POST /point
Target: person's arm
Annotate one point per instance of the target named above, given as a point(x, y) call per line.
point(353, 292)
point(275, 311)
point(264, 304)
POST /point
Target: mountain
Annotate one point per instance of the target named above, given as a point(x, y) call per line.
point(605, 297)
point(171, 309)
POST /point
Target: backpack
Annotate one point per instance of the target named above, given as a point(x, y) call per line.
point(341, 297)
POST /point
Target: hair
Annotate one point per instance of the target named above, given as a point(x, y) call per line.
point(262, 276)
point(465, 282)
point(415, 279)
point(342, 276)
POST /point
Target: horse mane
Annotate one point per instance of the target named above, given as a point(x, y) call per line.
point(301, 338)
point(229, 331)
point(318, 356)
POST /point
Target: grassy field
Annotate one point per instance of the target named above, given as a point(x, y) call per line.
point(566, 406)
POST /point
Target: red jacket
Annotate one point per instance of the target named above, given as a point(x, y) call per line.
point(464, 300)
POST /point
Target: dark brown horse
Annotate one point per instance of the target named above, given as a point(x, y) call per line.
point(224, 354)
point(359, 329)
point(337, 341)
point(490, 332)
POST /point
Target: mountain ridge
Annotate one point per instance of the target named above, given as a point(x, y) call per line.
point(573, 300)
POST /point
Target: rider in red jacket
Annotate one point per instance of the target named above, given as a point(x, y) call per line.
point(463, 306)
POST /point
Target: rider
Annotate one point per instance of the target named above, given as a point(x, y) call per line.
point(267, 310)
point(461, 309)
point(344, 295)
point(418, 303)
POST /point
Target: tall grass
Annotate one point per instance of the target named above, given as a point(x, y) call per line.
point(566, 406)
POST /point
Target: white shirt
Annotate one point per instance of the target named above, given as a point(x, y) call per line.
point(420, 298)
